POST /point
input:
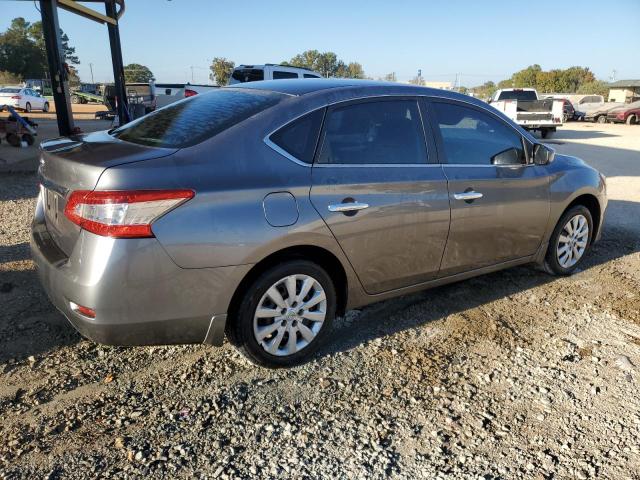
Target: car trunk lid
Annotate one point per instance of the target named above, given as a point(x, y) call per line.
point(76, 163)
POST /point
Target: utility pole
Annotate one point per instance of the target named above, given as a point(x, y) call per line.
point(192, 74)
point(613, 75)
point(91, 68)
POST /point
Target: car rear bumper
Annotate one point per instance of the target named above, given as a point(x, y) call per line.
point(139, 295)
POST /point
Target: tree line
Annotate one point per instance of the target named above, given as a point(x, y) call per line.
point(570, 80)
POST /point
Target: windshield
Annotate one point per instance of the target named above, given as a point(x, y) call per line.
point(195, 119)
point(10, 90)
point(517, 95)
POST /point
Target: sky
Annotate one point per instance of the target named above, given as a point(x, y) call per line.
point(479, 40)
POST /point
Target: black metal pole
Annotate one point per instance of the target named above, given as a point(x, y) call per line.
point(59, 80)
point(116, 60)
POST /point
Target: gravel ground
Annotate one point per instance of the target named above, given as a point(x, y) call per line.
point(512, 375)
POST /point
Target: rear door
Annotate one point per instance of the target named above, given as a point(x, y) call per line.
point(377, 186)
point(499, 200)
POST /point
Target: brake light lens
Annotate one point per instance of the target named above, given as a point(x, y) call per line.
point(122, 214)
point(189, 93)
point(17, 97)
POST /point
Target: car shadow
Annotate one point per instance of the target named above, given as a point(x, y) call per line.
point(592, 131)
point(385, 318)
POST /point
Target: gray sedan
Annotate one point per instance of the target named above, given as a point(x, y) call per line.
point(264, 210)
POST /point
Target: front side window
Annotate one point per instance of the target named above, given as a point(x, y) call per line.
point(279, 75)
point(472, 137)
point(195, 119)
point(376, 132)
point(299, 138)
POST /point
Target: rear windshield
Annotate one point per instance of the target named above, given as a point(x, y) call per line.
point(248, 75)
point(518, 95)
point(197, 118)
point(10, 90)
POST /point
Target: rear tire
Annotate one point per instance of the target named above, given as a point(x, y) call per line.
point(13, 139)
point(601, 119)
point(283, 315)
point(569, 243)
point(545, 132)
point(45, 108)
point(27, 107)
point(75, 99)
point(631, 120)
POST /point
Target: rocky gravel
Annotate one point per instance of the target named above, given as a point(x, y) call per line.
point(512, 375)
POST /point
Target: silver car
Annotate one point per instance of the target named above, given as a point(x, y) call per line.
point(264, 210)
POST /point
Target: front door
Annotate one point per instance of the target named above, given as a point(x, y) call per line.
point(373, 185)
point(499, 200)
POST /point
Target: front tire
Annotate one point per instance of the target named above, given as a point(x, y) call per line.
point(570, 241)
point(45, 108)
point(601, 119)
point(631, 120)
point(284, 315)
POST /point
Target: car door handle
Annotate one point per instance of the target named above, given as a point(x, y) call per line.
point(348, 207)
point(466, 196)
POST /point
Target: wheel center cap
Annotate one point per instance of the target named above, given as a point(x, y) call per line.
point(291, 315)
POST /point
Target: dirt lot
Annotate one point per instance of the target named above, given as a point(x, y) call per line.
point(512, 375)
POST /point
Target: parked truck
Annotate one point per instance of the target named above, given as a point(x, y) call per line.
point(525, 108)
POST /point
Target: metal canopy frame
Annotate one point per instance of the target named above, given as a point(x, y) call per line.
point(57, 68)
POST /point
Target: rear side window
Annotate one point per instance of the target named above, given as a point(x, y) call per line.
point(518, 95)
point(300, 137)
point(195, 119)
point(309, 75)
point(471, 137)
point(377, 132)
point(248, 75)
point(279, 75)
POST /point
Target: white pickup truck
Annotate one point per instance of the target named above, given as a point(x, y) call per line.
point(525, 108)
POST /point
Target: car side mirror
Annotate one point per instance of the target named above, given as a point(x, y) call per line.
point(543, 155)
point(507, 157)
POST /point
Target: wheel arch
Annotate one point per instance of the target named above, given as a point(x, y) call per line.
point(591, 202)
point(321, 256)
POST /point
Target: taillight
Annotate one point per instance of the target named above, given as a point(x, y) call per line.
point(122, 214)
point(189, 93)
point(17, 97)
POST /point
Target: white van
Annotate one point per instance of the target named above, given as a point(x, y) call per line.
point(269, 71)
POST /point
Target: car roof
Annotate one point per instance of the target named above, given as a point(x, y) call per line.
point(299, 87)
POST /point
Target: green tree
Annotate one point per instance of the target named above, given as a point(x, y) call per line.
point(596, 87)
point(221, 70)
point(568, 80)
point(327, 64)
point(486, 90)
point(136, 73)
point(526, 77)
point(23, 52)
point(18, 53)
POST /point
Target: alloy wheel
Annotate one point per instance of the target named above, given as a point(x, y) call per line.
point(572, 241)
point(290, 315)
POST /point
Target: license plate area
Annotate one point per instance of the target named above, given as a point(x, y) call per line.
point(53, 208)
